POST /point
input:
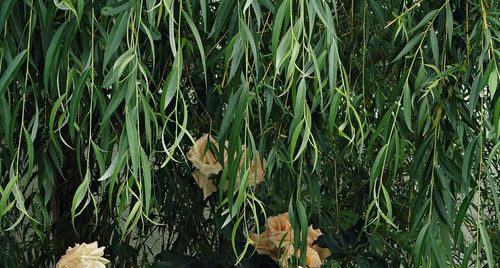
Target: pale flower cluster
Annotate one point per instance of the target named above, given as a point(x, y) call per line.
point(207, 165)
point(83, 256)
point(277, 242)
point(256, 170)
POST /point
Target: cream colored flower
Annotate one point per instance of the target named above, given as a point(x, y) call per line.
point(83, 256)
point(279, 230)
point(204, 183)
point(276, 240)
point(202, 158)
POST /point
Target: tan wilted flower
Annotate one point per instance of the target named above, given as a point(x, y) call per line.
point(205, 183)
point(83, 256)
point(322, 252)
point(277, 242)
point(263, 245)
point(257, 169)
point(312, 258)
point(202, 158)
point(285, 254)
point(312, 235)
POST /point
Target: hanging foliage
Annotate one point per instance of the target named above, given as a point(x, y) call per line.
point(173, 131)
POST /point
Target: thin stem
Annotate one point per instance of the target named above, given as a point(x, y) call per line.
point(21, 129)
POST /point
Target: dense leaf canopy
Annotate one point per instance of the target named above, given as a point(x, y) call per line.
point(379, 122)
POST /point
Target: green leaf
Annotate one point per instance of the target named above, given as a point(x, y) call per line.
point(116, 8)
point(80, 194)
point(132, 137)
point(115, 37)
point(449, 24)
point(11, 71)
point(485, 239)
point(199, 43)
point(30, 151)
point(277, 26)
point(75, 101)
point(294, 138)
point(429, 15)
point(467, 163)
point(301, 213)
point(434, 45)
point(203, 7)
point(66, 5)
point(5, 195)
point(116, 100)
point(5, 10)
point(52, 55)
point(253, 45)
point(421, 243)
point(146, 173)
point(171, 84)
point(132, 218)
point(229, 114)
point(491, 182)
point(474, 94)
point(119, 67)
point(377, 8)
point(236, 55)
point(467, 254)
point(409, 46)
point(493, 83)
point(223, 13)
point(20, 202)
point(462, 213)
point(407, 106)
point(377, 166)
point(53, 113)
point(300, 100)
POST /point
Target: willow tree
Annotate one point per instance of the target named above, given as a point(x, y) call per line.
point(379, 122)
